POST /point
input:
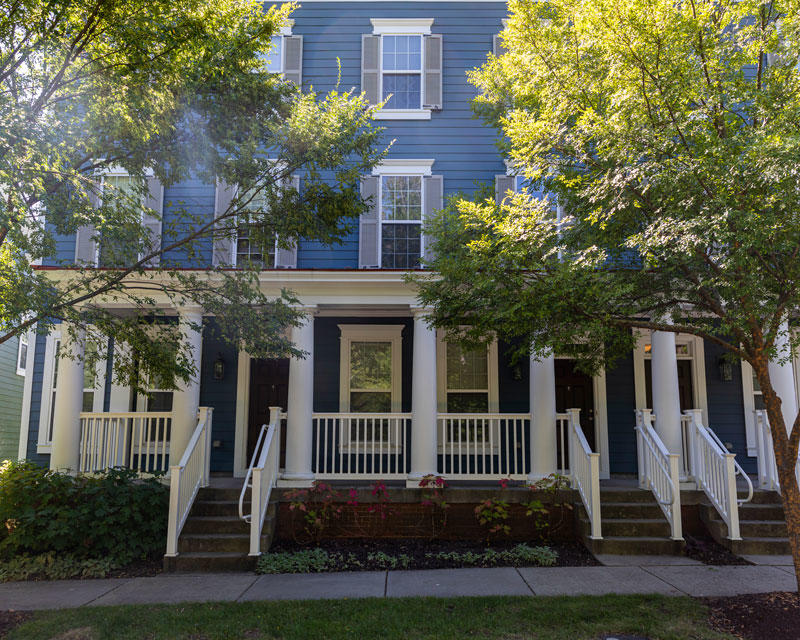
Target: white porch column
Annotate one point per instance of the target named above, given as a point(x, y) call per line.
point(65, 452)
point(782, 377)
point(186, 398)
point(423, 400)
point(300, 406)
point(666, 398)
point(544, 438)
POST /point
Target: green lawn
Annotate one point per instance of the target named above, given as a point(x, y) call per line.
point(518, 618)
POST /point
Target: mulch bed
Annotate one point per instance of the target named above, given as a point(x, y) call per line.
point(139, 569)
point(11, 619)
point(569, 554)
point(708, 551)
point(775, 615)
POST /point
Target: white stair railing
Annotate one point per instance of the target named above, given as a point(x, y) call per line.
point(135, 440)
point(186, 478)
point(261, 477)
point(765, 454)
point(585, 472)
point(715, 469)
point(659, 471)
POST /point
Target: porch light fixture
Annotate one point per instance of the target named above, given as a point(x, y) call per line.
point(725, 369)
point(219, 367)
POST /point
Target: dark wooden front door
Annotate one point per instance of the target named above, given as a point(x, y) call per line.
point(575, 390)
point(685, 387)
point(269, 387)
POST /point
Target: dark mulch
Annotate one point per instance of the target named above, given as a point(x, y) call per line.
point(708, 551)
point(773, 616)
point(11, 619)
point(569, 554)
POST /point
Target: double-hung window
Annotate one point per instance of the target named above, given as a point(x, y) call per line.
point(252, 250)
point(286, 55)
point(401, 71)
point(22, 354)
point(401, 221)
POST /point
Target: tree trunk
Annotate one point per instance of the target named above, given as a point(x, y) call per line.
point(785, 461)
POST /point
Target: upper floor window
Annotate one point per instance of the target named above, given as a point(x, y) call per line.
point(251, 250)
point(22, 354)
point(402, 196)
point(286, 55)
point(401, 65)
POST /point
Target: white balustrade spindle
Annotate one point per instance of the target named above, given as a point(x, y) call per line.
point(585, 472)
point(138, 441)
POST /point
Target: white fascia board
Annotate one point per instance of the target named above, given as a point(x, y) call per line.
point(404, 166)
point(400, 26)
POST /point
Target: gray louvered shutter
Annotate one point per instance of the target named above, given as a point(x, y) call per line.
point(287, 258)
point(434, 201)
point(498, 48)
point(223, 239)
point(293, 59)
point(85, 244)
point(502, 185)
point(433, 72)
point(371, 67)
point(151, 218)
point(369, 236)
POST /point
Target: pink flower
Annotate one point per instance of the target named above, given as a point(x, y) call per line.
point(504, 483)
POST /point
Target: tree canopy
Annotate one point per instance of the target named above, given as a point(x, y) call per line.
point(658, 143)
point(177, 91)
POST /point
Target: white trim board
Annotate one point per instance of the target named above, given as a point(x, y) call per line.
point(27, 392)
point(391, 333)
point(240, 462)
point(401, 26)
point(404, 167)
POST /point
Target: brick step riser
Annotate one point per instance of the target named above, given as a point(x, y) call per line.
point(193, 564)
point(636, 512)
point(628, 546)
point(239, 544)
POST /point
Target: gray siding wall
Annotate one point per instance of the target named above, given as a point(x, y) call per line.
point(11, 388)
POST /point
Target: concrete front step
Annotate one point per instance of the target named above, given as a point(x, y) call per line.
point(219, 542)
point(643, 510)
point(216, 524)
point(625, 496)
point(749, 511)
point(634, 527)
point(207, 562)
point(635, 545)
point(215, 508)
point(762, 526)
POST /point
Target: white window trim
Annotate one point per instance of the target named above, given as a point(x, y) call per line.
point(23, 340)
point(402, 170)
point(115, 171)
point(44, 445)
point(285, 30)
point(696, 355)
point(27, 394)
point(441, 374)
point(402, 27)
point(235, 252)
point(404, 167)
point(369, 333)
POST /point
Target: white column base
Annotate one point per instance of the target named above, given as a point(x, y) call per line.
point(296, 480)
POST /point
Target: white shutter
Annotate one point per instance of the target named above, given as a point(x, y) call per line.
point(85, 243)
point(498, 48)
point(371, 67)
point(369, 236)
point(502, 185)
point(432, 98)
point(293, 59)
point(223, 238)
point(434, 201)
point(287, 258)
point(151, 218)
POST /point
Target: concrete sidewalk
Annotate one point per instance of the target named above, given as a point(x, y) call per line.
point(649, 576)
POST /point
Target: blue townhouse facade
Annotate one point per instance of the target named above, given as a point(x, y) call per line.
point(381, 395)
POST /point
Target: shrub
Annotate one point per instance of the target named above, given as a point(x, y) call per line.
point(112, 515)
point(50, 566)
point(319, 506)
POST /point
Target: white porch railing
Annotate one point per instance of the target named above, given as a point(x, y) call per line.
point(765, 454)
point(585, 467)
point(361, 445)
point(138, 441)
point(187, 477)
point(714, 469)
point(659, 471)
point(562, 443)
point(261, 477)
point(483, 445)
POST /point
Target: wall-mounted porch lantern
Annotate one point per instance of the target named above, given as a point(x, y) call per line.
point(219, 367)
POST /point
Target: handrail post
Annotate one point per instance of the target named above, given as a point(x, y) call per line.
point(206, 414)
point(174, 499)
point(255, 515)
point(674, 476)
point(594, 468)
point(733, 504)
point(574, 418)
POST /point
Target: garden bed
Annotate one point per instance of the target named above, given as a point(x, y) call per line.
point(369, 555)
point(708, 551)
point(757, 616)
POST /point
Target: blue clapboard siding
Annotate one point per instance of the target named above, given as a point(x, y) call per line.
point(621, 399)
point(219, 394)
point(726, 406)
point(513, 379)
point(36, 403)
